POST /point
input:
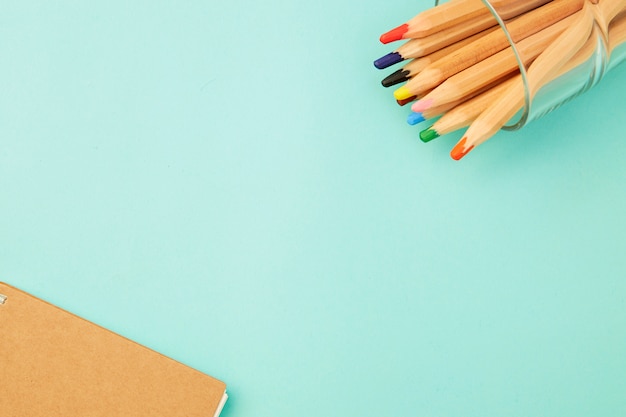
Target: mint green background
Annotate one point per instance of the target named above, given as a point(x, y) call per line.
point(228, 183)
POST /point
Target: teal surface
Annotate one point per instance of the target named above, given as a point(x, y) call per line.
point(229, 184)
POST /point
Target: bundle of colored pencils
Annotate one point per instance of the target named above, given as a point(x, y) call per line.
point(459, 64)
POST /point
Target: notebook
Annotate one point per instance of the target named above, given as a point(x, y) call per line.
point(56, 364)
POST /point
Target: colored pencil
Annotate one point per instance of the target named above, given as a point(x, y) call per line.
point(426, 45)
point(416, 48)
point(463, 68)
point(436, 19)
point(441, 108)
point(463, 114)
point(456, 13)
point(417, 64)
point(493, 68)
point(541, 70)
point(487, 45)
point(509, 9)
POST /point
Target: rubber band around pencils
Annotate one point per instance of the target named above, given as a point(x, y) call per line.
point(522, 68)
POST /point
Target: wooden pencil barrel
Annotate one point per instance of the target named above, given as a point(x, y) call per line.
point(576, 42)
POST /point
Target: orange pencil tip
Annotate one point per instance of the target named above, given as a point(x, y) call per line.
point(459, 150)
point(394, 34)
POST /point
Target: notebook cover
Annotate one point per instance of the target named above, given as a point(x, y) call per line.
point(56, 364)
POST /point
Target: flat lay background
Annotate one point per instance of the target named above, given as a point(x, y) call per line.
point(227, 182)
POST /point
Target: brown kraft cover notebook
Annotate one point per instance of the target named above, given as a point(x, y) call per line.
point(56, 364)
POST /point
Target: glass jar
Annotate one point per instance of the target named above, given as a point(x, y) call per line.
point(584, 40)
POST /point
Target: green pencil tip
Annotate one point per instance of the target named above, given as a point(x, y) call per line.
point(429, 134)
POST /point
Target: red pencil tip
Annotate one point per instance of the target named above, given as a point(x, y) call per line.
point(459, 150)
point(394, 34)
point(406, 100)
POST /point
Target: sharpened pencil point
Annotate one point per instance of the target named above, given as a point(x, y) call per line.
point(388, 60)
point(415, 118)
point(397, 77)
point(402, 93)
point(421, 105)
point(459, 150)
point(394, 34)
point(429, 134)
point(406, 101)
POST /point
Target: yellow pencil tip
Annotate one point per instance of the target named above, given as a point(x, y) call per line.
point(402, 93)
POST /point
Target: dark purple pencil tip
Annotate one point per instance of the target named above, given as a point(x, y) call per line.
point(388, 60)
point(397, 77)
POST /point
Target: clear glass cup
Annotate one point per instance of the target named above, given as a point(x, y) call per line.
point(599, 46)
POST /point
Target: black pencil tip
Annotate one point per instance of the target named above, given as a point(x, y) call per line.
point(397, 77)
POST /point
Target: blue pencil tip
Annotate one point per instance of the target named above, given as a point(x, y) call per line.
point(388, 60)
point(415, 118)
